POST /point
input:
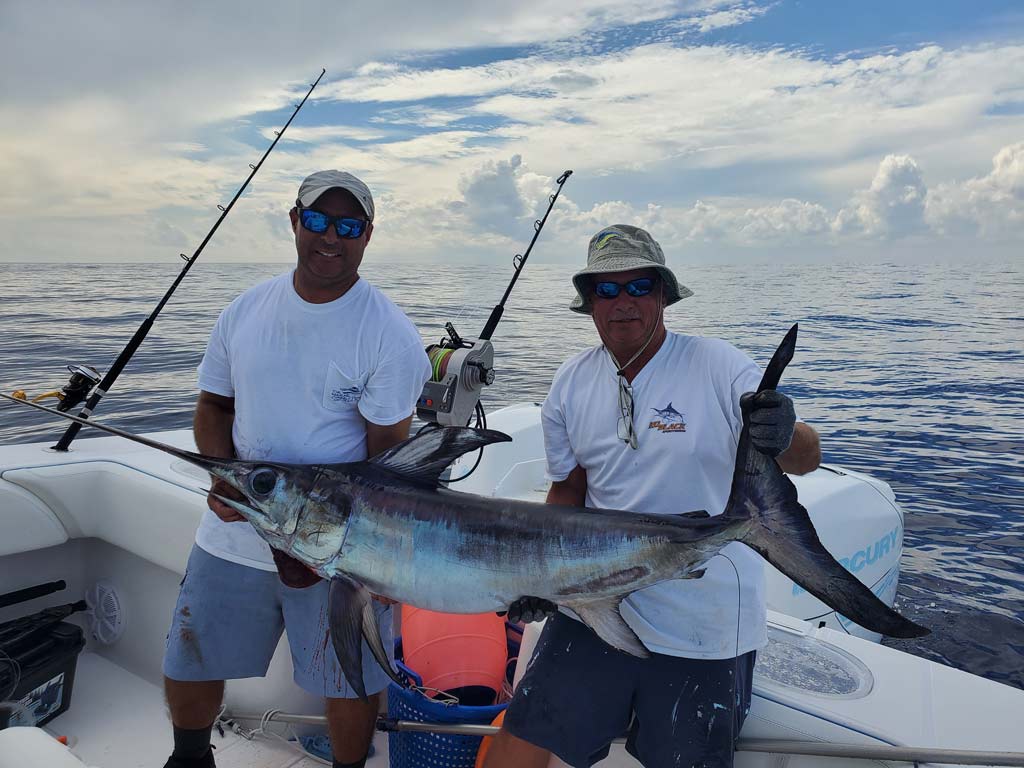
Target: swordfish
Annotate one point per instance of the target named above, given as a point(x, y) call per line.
point(388, 526)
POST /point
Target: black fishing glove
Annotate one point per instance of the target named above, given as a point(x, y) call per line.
point(528, 608)
point(772, 420)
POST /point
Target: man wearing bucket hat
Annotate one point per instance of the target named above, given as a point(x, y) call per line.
point(649, 420)
point(313, 366)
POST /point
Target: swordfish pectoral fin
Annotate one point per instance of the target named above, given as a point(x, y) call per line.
point(605, 619)
point(352, 619)
point(371, 633)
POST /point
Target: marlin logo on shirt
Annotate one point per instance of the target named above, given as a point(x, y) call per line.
point(667, 419)
point(346, 394)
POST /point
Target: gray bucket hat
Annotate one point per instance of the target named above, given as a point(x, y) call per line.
point(620, 248)
point(317, 183)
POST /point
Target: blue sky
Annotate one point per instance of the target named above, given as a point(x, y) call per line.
point(742, 131)
point(837, 28)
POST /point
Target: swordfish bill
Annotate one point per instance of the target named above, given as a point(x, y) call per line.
point(387, 526)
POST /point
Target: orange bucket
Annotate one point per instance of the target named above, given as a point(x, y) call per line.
point(451, 651)
point(485, 744)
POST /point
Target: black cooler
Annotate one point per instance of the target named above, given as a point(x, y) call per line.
point(38, 656)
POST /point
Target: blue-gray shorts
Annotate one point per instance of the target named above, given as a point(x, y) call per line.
point(229, 619)
point(578, 694)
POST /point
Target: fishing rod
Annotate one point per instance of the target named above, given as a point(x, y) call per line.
point(31, 593)
point(126, 354)
point(520, 261)
point(17, 630)
point(462, 367)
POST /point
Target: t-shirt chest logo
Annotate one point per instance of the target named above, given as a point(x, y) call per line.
point(345, 394)
point(667, 419)
point(342, 391)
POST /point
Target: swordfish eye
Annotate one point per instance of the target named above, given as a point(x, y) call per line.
point(263, 481)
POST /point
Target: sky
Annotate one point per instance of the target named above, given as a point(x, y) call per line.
point(734, 131)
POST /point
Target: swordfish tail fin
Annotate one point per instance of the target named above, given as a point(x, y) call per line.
point(763, 504)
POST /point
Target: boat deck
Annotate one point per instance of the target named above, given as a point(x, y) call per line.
point(119, 720)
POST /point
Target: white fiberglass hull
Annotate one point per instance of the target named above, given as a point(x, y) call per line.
point(114, 511)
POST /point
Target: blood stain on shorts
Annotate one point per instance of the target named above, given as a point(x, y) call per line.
point(190, 644)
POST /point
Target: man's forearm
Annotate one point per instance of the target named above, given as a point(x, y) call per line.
point(212, 430)
point(804, 452)
point(571, 492)
point(380, 438)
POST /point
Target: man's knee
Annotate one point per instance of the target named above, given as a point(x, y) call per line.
point(193, 703)
point(342, 708)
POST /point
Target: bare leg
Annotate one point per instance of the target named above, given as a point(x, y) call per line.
point(351, 724)
point(508, 751)
point(193, 704)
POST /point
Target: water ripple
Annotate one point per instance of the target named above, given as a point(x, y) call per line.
point(912, 374)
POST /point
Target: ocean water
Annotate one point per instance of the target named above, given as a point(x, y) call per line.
point(913, 374)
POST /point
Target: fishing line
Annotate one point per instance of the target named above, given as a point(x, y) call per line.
point(293, 743)
point(126, 354)
point(481, 423)
point(6, 658)
point(734, 700)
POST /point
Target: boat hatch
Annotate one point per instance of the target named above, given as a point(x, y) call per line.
point(794, 661)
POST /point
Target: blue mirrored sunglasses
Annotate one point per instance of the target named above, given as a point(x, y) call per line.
point(639, 287)
point(345, 226)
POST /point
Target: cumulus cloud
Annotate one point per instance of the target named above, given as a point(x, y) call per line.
point(769, 122)
point(745, 145)
point(892, 206)
point(990, 206)
point(491, 198)
point(895, 206)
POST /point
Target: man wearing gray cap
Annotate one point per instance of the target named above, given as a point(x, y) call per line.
point(314, 366)
point(649, 421)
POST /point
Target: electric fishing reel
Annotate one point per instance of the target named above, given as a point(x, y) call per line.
point(460, 369)
point(83, 379)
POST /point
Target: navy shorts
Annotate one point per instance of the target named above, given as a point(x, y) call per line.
point(578, 694)
point(229, 619)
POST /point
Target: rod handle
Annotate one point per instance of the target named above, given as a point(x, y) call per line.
point(31, 593)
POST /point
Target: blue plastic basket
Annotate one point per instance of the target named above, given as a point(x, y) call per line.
point(433, 750)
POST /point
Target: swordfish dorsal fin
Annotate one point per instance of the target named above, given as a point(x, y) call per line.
point(424, 457)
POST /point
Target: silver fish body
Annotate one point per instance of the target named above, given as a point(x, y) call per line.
point(462, 553)
point(387, 526)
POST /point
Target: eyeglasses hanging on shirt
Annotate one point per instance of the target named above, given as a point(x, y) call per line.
point(626, 431)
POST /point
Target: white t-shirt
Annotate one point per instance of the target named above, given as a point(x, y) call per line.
point(304, 377)
point(688, 421)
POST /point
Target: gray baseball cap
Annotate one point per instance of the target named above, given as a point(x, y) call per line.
point(317, 183)
point(620, 248)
